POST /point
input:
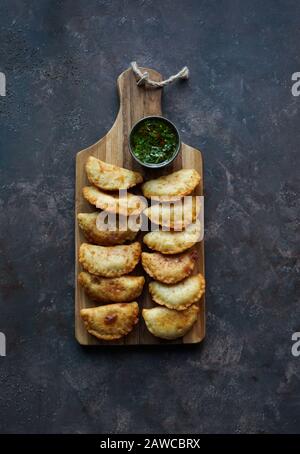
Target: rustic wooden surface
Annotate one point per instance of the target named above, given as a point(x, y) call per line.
point(135, 103)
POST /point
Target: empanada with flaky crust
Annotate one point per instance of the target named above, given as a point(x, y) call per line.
point(178, 296)
point(174, 215)
point(124, 204)
point(168, 324)
point(111, 321)
point(173, 242)
point(111, 289)
point(110, 177)
point(172, 186)
point(169, 269)
point(110, 261)
point(87, 223)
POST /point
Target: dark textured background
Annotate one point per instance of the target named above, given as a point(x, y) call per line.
point(61, 59)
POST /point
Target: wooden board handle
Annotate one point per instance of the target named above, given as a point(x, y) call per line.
point(147, 101)
point(135, 103)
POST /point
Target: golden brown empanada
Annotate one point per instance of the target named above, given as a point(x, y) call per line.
point(87, 223)
point(173, 242)
point(173, 186)
point(168, 324)
point(169, 269)
point(111, 289)
point(174, 215)
point(178, 296)
point(125, 205)
point(110, 177)
point(110, 261)
point(111, 321)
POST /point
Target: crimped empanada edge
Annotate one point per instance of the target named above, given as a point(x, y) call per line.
point(180, 307)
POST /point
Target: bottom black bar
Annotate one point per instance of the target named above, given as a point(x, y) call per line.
point(137, 443)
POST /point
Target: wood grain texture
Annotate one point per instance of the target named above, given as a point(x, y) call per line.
point(135, 103)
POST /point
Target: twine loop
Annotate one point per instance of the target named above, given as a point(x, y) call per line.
point(143, 78)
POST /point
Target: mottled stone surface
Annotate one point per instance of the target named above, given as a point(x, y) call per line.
point(61, 59)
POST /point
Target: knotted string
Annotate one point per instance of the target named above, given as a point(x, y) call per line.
point(144, 79)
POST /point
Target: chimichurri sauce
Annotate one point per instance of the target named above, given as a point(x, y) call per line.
point(154, 141)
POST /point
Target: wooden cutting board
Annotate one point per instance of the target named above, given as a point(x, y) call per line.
point(135, 103)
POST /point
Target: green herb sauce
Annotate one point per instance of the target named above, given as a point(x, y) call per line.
point(154, 141)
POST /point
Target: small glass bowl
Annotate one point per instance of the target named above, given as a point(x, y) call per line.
point(160, 164)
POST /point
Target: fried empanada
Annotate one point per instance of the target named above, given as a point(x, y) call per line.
point(125, 205)
point(110, 177)
point(111, 289)
point(174, 215)
point(111, 321)
point(178, 296)
point(173, 242)
point(173, 186)
point(168, 324)
point(110, 261)
point(169, 269)
point(87, 223)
